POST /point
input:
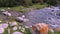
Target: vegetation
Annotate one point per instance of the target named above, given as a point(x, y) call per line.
point(10, 3)
point(20, 8)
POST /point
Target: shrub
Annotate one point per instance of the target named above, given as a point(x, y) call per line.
point(52, 2)
point(9, 3)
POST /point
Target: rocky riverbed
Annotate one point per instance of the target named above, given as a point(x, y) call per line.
point(8, 25)
point(13, 22)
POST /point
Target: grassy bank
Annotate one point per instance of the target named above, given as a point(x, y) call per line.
point(19, 8)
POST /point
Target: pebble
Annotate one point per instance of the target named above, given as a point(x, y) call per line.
point(26, 27)
point(13, 23)
point(8, 8)
point(23, 16)
point(15, 28)
point(20, 27)
point(23, 29)
point(0, 21)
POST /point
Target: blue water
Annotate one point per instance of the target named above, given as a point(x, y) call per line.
point(46, 15)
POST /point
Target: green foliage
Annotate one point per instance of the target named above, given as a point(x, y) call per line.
point(52, 2)
point(7, 2)
point(10, 3)
point(27, 31)
point(49, 2)
point(26, 3)
point(49, 32)
point(6, 31)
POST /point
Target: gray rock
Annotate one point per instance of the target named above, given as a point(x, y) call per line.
point(9, 13)
point(6, 13)
point(19, 19)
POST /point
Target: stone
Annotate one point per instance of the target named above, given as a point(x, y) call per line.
point(20, 27)
point(13, 23)
point(23, 29)
point(8, 8)
point(23, 16)
point(15, 28)
point(0, 21)
point(26, 27)
point(1, 30)
point(4, 25)
point(19, 19)
point(17, 32)
point(6, 13)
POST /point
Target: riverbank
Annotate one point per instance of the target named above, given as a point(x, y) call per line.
point(24, 9)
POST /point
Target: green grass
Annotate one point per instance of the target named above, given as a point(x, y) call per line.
point(38, 6)
point(19, 8)
point(54, 32)
point(27, 31)
point(57, 32)
point(6, 31)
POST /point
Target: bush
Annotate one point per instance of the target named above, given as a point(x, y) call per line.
point(9, 3)
point(52, 2)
